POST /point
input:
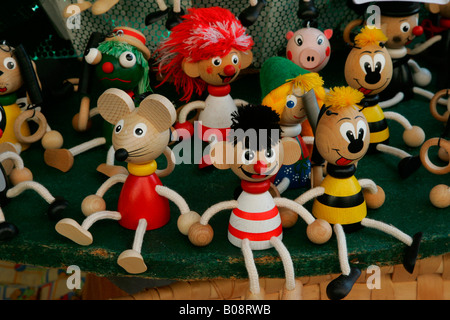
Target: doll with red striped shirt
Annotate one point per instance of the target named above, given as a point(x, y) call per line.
point(255, 152)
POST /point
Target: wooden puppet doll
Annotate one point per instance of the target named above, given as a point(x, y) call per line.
point(342, 139)
point(121, 61)
point(284, 85)
point(18, 71)
point(368, 69)
point(206, 51)
point(255, 154)
point(97, 7)
point(140, 136)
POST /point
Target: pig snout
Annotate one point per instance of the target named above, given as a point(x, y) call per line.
point(309, 58)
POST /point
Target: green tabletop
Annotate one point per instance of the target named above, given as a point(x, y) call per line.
point(169, 254)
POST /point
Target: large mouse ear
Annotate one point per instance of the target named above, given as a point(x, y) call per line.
point(158, 110)
point(114, 104)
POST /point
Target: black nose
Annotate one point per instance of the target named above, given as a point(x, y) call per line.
point(121, 155)
point(373, 77)
point(1, 72)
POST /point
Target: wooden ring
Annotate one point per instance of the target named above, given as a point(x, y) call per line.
point(426, 160)
point(433, 106)
point(24, 116)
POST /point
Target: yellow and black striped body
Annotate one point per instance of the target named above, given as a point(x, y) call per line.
point(378, 126)
point(343, 201)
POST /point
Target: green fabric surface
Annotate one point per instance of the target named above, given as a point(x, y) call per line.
point(169, 254)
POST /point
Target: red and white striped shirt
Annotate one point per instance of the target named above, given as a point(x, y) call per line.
point(256, 218)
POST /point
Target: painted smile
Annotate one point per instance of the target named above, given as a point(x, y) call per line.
point(367, 91)
point(226, 79)
point(342, 161)
point(3, 89)
point(254, 175)
point(115, 79)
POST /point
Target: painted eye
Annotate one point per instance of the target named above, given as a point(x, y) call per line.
point(270, 155)
point(216, 61)
point(10, 63)
point(248, 156)
point(298, 40)
point(291, 101)
point(361, 128)
point(404, 27)
point(320, 40)
point(347, 131)
point(93, 56)
point(118, 127)
point(379, 61)
point(140, 130)
point(235, 59)
point(127, 59)
point(366, 63)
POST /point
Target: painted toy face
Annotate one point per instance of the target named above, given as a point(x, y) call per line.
point(294, 111)
point(139, 138)
point(342, 136)
point(309, 48)
point(220, 71)
point(123, 73)
point(368, 69)
point(252, 165)
point(10, 76)
point(400, 30)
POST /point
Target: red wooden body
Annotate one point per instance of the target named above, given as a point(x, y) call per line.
point(139, 200)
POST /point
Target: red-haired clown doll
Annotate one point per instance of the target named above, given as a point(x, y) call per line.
point(206, 52)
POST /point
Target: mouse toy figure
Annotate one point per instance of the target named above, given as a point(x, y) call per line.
point(18, 71)
point(342, 139)
point(140, 136)
point(121, 61)
point(368, 68)
point(206, 51)
point(255, 152)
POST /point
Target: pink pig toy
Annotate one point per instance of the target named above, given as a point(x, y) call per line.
point(309, 48)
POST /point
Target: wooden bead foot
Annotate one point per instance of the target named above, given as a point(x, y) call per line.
point(110, 170)
point(60, 159)
point(295, 294)
point(132, 261)
point(70, 229)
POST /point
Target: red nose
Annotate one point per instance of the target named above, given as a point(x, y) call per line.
point(417, 31)
point(229, 70)
point(108, 67)
point(260, 167)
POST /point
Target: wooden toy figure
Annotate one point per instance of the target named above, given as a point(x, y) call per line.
point(21, 177)
point(97, 7)
point(368, 69)
point(342, 139)
point(254, 154)
point(206, 51)
point(121, 62)
point(249, 16)
point(284, 86)
point(140, 136)
point(18, 71)
point(309, 48)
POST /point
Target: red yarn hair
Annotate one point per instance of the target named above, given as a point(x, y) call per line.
point(204, 33)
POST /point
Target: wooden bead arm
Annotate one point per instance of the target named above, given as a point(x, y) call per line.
point(20, 173)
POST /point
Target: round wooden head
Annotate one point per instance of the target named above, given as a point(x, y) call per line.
point(342, 134)
point(10, 77)
point(368, 67)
